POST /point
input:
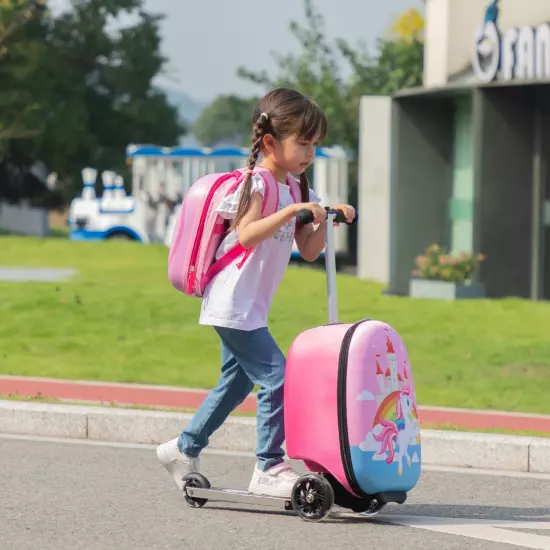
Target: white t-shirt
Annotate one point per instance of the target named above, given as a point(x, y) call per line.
point(241, 298)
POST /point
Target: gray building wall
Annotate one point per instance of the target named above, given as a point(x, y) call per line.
point(504, 172)
point(545, 245)
point(422, 136)
point(373, 250)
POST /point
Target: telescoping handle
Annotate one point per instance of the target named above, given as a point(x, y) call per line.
point(304, 217)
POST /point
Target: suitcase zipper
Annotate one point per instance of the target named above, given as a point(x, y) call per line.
point(342, 410)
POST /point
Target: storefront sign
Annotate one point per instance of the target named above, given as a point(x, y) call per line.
point(516, 54)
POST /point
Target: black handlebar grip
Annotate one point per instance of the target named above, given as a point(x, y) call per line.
point(304, 217)
point(341, 218)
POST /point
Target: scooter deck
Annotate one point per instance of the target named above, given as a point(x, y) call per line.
point(234, 495)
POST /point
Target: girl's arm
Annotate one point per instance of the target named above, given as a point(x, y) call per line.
point(311, 242)
point(254, 229)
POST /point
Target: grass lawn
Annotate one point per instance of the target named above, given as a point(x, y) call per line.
point(120, 320)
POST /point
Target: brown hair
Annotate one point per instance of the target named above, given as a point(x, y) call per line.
point(288, 113)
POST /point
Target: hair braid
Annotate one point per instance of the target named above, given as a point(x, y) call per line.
point(304, 187)
point(258, 133)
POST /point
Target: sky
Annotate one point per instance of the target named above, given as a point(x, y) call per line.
point(207, 40)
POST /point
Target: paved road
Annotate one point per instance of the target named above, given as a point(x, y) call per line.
point(58, 495)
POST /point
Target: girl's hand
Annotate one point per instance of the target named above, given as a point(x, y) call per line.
point(319, 213)
point(349, 211)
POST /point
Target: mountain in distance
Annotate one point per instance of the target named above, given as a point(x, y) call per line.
point(188, 107)
point(189, 110)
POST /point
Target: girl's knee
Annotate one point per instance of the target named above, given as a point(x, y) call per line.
point(279, 368)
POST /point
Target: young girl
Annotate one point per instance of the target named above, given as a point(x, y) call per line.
point(286, 128)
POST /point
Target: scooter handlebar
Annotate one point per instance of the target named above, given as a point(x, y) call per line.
point(305, 216)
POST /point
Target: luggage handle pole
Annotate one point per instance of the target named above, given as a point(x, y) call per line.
point(330, 268)
point(304, 217)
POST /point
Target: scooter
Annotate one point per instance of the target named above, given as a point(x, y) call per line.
point(314, 494)
point(313, 497)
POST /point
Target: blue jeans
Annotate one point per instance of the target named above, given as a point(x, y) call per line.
point(248, 358)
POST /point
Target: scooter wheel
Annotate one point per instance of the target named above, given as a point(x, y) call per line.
point(198, 481)
point(312, 497)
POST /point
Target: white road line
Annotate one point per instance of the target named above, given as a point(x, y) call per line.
point(482, 472)
point(505, 532)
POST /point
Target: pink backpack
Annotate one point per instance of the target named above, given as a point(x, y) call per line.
point(199, 229)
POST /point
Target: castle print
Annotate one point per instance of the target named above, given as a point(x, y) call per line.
point(389, 380)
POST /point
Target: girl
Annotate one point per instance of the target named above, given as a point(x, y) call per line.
point(286, 128)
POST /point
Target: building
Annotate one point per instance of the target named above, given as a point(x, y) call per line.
point(464, 160)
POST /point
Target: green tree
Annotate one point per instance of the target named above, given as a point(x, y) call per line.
point(14, 15)
point(318, 72)
point(228, 119)
point(90, 89)
point(18, 58)
point(102, 95)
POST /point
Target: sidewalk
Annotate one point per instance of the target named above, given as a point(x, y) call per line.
point(185, 398)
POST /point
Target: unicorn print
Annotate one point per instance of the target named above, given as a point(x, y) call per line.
point(403, 435)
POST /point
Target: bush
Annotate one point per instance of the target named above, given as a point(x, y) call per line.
point(436, 265)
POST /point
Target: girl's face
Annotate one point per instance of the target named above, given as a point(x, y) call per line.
point(292, 154)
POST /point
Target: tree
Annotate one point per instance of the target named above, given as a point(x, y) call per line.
point(15, 104)
point(90, 89)
point(104, 82)
point(228, 119)
point(317, 71)
point(409, 26)
point(14, 15)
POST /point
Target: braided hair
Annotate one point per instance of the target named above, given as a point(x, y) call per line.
point(258, 133)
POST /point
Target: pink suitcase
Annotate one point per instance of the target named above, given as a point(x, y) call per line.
point(350, 407)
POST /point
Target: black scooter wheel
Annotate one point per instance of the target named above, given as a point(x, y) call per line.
point(198, 481)
point(312, 497)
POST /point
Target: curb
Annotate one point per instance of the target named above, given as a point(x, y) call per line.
point(439, 448)
point(170, 397)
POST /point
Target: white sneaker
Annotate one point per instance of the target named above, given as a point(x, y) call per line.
point(177, 463)
point(278, 481)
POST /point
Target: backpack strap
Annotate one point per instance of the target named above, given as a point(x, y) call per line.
point(270, 205)
point(295, 190)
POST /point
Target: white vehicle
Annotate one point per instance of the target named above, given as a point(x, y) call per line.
point(160, 179)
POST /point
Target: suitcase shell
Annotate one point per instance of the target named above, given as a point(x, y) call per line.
point(350, 407)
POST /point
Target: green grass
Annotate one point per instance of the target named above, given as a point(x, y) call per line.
point(55, 232)
point(120, 320)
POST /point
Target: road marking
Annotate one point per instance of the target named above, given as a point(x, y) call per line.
point(501, 531)
point(247, 454)
point(482, 472)
point(505, 532)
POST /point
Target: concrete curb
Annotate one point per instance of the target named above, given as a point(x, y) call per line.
point(439, 448)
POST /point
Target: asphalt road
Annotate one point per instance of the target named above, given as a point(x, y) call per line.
point(58, 495)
